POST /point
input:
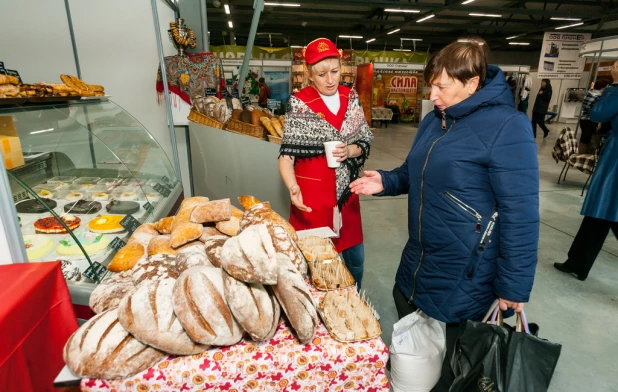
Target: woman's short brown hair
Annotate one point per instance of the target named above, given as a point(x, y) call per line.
point(462, 60)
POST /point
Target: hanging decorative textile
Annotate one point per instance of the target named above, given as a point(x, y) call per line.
point(191, 75)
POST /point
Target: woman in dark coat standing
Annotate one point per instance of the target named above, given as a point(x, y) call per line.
point(541, 105)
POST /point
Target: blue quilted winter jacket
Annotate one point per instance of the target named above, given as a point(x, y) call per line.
point(473, 206)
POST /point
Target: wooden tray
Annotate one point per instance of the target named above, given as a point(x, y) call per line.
point(337, 270)
point(372, 319)
point(12, 101)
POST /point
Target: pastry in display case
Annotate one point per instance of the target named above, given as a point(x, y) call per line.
point(92, 174)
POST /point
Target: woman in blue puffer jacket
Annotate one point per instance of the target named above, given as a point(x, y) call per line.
point(472, 181)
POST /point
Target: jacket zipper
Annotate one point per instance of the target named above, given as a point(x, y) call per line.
point(420, 209)
point(468, 209)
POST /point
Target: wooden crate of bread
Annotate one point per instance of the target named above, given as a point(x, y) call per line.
point(348, 317)
point(203, 119)
point(274, 139)
point(246, 128)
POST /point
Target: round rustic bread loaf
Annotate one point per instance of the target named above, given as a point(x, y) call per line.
point(102, 348)
point(245, 116)
point(108, 294)
point(200, 305)
point(255, 117)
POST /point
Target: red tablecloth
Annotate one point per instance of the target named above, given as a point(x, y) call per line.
point(36, 320)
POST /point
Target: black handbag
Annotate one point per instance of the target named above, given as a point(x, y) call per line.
point(490, 356)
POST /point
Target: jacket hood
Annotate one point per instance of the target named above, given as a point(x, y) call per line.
point(495, 92)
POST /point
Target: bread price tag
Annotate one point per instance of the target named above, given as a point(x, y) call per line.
point(245, 101)
point(148, 207)
point(117, 244)
point(130, 223)
point(210, 92)
point(96, 272)
point(166, 181)
point(165, 192)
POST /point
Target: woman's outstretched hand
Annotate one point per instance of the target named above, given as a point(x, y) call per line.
point(369, 184)
point(297, 199)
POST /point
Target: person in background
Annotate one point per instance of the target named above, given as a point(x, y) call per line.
point(264, 93)
point(588, 126)
point(541, 106)
point(600, 209)
point(321, 112)
point(524, 95)
point(473, 235)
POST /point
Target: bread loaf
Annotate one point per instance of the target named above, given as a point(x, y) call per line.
point(148, 314)
point(160, 245)
point(102, 348)
point(185, 232)
point(283, 243)
point(8, 79)
point(236, 114)
point(194, 256)
point(230, 227)
point(213, 211)
point(155, 267)
point(255, 309)
point(248, 201)
point(127, 257)
point(164, 226)
point(213, 246)
point(245, 116)
point(108, 294)
point(209, 231)
point(256, 115)
point(269, 126)
point(278, 127)
point(293, 295)
point(144, 234)
point(237, 212)
point(261, 214)
point(250, 257)
point(200, 305)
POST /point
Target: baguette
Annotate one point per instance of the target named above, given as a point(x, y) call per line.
point(278, 127)
point(269, 126)
point(250, 257)
point(199, 304)
point(212, 211)
point(293, 295)
point(253, 307)
point(102, 348)
point(96, 88)
point(8, 79)
point(148, 314)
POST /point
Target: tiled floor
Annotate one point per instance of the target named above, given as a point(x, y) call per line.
point(582, 316)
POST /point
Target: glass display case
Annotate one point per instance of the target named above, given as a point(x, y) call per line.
point(91, 164)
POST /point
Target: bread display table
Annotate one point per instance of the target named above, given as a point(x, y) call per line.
point(281, 364)
point(36, 319)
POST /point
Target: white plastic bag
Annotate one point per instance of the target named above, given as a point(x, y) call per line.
point(417, 351)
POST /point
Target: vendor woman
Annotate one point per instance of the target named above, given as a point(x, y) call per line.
point(321, 112)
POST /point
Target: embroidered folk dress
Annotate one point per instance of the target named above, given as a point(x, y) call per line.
point(309, 123)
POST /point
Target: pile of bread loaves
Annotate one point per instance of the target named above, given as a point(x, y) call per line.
point(71, 86)
point(201, 278)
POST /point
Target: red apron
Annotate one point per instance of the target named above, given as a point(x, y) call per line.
point(317, 181)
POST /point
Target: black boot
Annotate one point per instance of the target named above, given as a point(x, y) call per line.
point(562, 267)
point(545, 133)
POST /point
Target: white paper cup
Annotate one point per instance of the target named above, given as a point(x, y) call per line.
point(331, 160)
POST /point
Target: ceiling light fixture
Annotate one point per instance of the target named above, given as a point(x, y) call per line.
point(519, 43)
point(296, 46)
point(411, 39)
point(229, 23)
point(467, 2)
point(571, 19)
point(486, 15)
point(400, 10)
point(571, 25)
point(283, 4)
point(227, 8)
point(351, 36)
point(515, 36)
point(402, 50)
point(393, 32)
point(425, 18)
point(370, 40)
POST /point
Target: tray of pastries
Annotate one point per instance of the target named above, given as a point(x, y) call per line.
point(315, 248)
point(330, 274)
point(348, 317)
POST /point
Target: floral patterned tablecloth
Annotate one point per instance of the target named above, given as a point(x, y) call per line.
point(281, 364)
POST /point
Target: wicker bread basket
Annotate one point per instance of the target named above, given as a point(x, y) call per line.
point(274, 139)
point(238, 126)
point(203, 119)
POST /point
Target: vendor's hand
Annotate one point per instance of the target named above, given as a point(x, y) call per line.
point(368, 185)
point(341, 152)
point(297, 199)
point(506, 304)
